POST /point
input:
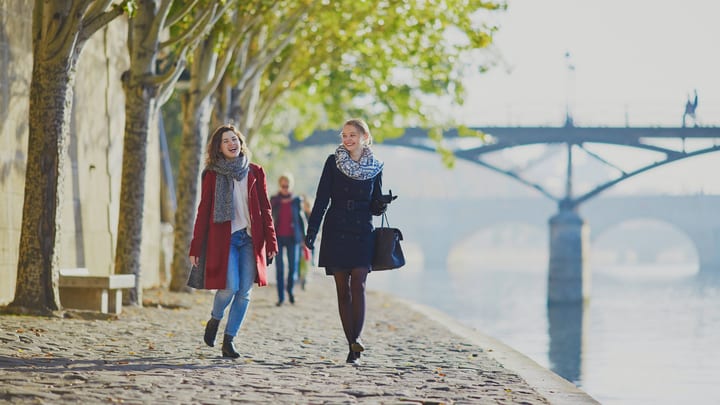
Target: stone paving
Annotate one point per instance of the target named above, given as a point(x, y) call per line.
point(294, 354)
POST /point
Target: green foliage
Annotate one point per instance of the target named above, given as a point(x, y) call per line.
point(375, 59)
point(463, 130)
point(378, 60)
point(129, 7)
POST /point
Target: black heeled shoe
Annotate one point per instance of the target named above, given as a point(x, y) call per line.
point(353, 357)
point(211, 329)
point(228, 348)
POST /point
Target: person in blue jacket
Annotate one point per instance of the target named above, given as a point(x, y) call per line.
point(350, 184)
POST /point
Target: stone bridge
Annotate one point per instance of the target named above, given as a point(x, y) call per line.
point(436, 226)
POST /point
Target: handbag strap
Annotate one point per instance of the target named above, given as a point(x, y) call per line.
point(384, 220)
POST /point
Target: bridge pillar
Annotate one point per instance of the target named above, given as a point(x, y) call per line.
point(707, 242)
point(568, 273)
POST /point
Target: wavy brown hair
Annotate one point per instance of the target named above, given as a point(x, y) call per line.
point(213, 147)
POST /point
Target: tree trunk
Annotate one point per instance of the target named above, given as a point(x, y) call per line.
point(51, 93)
point(196, 119)
point(139, 109)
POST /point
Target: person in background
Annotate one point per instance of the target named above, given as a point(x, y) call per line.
point(290, 228)
point(233, 234)
point(350, 184)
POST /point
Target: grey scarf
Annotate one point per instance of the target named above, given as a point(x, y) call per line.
point(365, 168)
point(227, 171)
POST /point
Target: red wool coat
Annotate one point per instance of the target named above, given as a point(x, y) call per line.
point(216, 236)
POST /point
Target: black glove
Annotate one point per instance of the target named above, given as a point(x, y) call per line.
point(310, 239)
point(379, 206)
point(388, 198)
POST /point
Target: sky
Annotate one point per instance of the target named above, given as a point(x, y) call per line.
point(635, 62)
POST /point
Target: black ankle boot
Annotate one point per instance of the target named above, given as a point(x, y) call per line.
point(228, 348)
point(211, 329)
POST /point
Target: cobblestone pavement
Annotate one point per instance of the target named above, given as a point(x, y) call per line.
point(289, 354)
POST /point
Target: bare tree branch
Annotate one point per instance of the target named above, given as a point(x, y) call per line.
point(97, 8)
point(100, 21)
point(166, 88)
point(220, 68)
point(61, 33)
point(275, 89)
point(195, 31)
point(172, 20)
point(266, 56)
point(159, 21)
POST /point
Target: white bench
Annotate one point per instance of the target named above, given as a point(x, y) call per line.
point(80, 290)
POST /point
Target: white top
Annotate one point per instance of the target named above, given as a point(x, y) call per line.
point(241, 218)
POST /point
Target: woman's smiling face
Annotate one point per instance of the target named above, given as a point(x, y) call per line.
point(230, 145)
point(353, 138)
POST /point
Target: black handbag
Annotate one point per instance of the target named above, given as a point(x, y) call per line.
point(196, 279)
point(388, 253)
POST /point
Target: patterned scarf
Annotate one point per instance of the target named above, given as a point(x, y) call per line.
point(364, 169)
point(227, 171)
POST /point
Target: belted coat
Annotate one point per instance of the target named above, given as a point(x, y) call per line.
point(211, 241)
point(347, 238)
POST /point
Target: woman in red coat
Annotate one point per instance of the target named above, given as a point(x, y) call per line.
point(234, 233)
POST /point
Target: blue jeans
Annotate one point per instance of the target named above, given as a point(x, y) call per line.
point(293, 255)
point(241, 274)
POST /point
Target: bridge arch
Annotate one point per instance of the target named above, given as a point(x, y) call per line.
point(503, 244)
point(642, 242)
point(697, 217)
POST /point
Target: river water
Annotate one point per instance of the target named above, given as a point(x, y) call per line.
point(650, 334)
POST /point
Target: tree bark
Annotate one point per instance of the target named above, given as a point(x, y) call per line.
point(51, 93)
point(140, 107)
point(196, 118)
point(56, 50)
point(197, 111)
point(139, 110)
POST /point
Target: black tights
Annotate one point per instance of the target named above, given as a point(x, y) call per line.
point(350, 286)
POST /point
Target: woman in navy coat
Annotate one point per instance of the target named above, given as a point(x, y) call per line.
point(350, 184)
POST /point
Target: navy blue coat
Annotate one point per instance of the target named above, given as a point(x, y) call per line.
point(347, 238)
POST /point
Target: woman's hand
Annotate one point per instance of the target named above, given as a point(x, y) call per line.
point(310, 239)
point(194, 260)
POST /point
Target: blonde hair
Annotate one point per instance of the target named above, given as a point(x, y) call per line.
point(288, 177)
point(362, 126)
point(213, 147)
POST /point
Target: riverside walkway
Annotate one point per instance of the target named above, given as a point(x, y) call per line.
point(294, 354)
